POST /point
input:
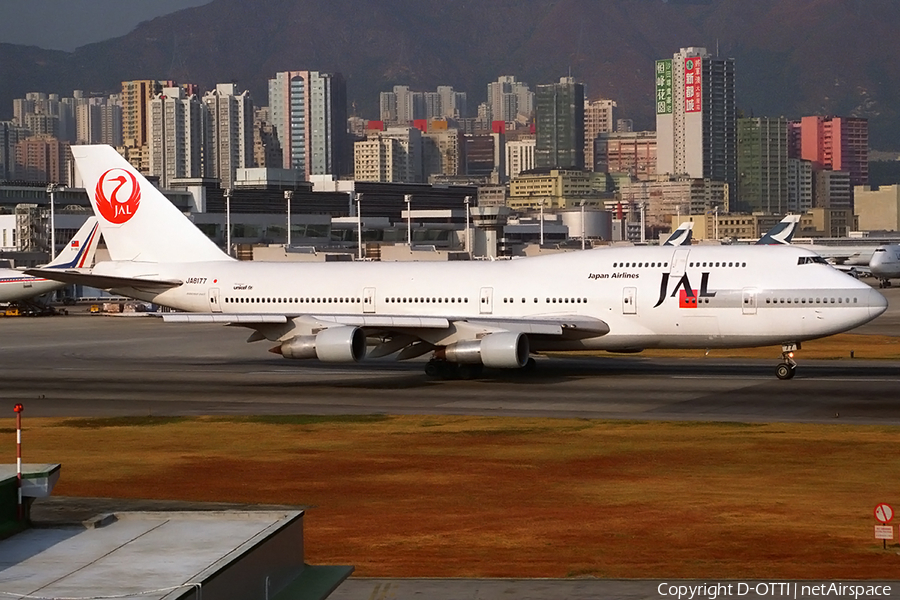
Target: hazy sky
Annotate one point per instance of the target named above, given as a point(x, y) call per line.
point(67, 24)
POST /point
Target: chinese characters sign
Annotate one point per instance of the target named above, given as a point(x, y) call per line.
point(664, 87)
point(693, 76)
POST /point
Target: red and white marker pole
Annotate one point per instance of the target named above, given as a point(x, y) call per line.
point(18, 409)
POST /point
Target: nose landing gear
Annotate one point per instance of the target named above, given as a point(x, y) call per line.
point(788, 366)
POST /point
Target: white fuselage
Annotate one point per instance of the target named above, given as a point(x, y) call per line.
point(885, 262)
point(16, 286)
point(687, 297)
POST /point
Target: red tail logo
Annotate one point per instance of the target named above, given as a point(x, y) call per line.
point(120, 205)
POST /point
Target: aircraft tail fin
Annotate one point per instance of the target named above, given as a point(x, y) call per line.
point(80, 250)
point(682, 235)
point(137, 221)
point(782, 233)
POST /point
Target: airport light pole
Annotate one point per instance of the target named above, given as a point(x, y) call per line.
point(468, 242)
point(582, 223)
point(52, 189)
point(228, 221)
point(643, 226)
point(408, 198)
point(18, 408)
point(359, 224)
point(288, 195)
point(542, 223)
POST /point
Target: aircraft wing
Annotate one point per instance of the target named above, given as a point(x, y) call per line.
point(105, 282)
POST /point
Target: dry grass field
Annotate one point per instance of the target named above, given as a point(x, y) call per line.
point(504, 497)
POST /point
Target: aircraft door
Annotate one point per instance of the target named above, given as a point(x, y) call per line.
point(369, 300)
point(679, 262)
point(215, 304)
point(629, 301)
point(748, 301)
point(486, 303)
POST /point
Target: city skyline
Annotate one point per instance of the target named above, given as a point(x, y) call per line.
point(474, 44)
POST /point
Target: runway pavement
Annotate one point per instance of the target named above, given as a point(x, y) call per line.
point(96, 365)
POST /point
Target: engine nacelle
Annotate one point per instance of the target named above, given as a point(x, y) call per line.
point(506, 350)
point(335, 344)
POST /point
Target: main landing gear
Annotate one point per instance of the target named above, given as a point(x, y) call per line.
point(884, 283)
point(788, 366)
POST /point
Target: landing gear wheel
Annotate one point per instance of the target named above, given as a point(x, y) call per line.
point(530, 365)
point(785, 371)
point(788, 366)
point(432, 369)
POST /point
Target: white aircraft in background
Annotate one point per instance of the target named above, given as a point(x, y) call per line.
point(466, 314)
point(885, 264)
point(16, 285)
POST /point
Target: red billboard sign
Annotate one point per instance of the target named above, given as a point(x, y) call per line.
point(693, 78)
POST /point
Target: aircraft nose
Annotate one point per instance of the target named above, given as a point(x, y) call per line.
point(877, 303)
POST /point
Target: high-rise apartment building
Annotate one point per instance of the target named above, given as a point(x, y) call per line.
point(800, 185)
point(763, 178)
point(10, 135)
point(696, 116)
point(442, 153)
point(392, 155)
point(309, 112)
point(559, 123)
point(136, 98)
point(42, 160)
point(177, 135)
point(508, 99)
point(598, 118)
point(632, 152)
point(230, 136)
point(833, 143)
point(519, 156)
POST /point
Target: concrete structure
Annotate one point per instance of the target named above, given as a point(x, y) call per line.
point(557, 188)
point(177, 143)
point(309, 112)
point(214, 555)
point(230, 138)
point(508, 100)
point(878, 209)
point(519, 156)
point(631, 152)
point(136, 98)
point(695, 116)
point(763, 179)
point(834, 144)
point(598, 118)
point(559, 122)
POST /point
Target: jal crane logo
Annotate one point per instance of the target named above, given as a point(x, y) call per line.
point(121, 204)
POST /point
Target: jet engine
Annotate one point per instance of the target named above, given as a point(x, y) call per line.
point(335, 344)
point(505, 350)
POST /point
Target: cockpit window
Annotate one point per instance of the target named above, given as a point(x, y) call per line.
point(806, 260)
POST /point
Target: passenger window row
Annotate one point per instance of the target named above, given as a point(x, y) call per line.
point(638, 265)
point(718, 264)
point(810, 301)
point(418, 300)
point(292, 300)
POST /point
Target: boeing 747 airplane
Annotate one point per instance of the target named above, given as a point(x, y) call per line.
point(466, 314)
point(16, 285)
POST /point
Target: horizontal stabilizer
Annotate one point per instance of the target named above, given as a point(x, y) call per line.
point(105, 282)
